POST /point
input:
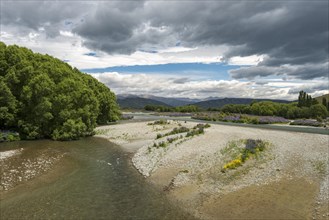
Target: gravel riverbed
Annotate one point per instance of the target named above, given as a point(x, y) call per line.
point(193, 164)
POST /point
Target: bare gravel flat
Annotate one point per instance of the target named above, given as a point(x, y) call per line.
point(189, 169)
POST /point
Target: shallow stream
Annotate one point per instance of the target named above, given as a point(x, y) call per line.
point(94, 180)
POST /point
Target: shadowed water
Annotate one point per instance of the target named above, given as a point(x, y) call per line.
point(99, 183)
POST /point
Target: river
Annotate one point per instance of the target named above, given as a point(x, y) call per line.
point(94, 180)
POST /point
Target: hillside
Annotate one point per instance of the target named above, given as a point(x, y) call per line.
point(165, 100)
point(44, 97)
point(319, 98)
point(171, 101)
point(137, 103)
point(217, 103)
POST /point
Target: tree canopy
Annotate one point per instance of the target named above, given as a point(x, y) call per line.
point(44, 97)
point(306, 107)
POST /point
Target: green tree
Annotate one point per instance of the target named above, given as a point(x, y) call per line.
point(305, 100)
point(8, 106)
point(43, 97)
point(325, 103)
point(318, 110)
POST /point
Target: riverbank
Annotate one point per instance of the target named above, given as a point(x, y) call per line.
point(290, 181)
point(24, 164)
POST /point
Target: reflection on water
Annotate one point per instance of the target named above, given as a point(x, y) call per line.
point(100, 184)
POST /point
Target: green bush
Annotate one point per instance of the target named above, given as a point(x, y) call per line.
point(201, 126)
point(196, 131)
point(160, 144)
point(252, 148)
point(178, 130)
point(181, 129)
point(159, 122)
point(43, 97)
point(9, 136)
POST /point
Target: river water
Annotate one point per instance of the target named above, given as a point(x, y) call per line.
point(94, 180)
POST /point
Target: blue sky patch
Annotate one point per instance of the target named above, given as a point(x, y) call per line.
point(215, 71)
point(91, 54)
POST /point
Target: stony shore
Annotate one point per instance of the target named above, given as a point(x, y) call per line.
point(20, 165)
point(291, 180)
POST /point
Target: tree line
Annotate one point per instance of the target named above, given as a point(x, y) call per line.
point(306, 107)
point(43, 97)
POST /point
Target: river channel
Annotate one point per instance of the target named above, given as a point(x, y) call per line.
point(93, 180)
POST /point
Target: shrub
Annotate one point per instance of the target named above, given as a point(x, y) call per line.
point(184, 171)
point(170, 140)
point(178, 130)
point(306, 122)
point(233, 164)
point(9, 136)
point(181, 129)
point(232, 118)
point(252, 147)
point(272, 120)
point(195, 132)
point(160, 144)
point(159, 122)
point(319, 119)
point(253, 120)
point(202, 126)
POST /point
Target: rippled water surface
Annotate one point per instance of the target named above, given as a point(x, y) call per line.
point(96, 181)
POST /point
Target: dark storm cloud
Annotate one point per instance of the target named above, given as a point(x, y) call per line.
point(119, 27)
point(40, 14)
point(292, 35)
point(291, 32)
point(310, 89)
point(305, 72)
point(110, 28)
point(254, 71)
point(286, 32)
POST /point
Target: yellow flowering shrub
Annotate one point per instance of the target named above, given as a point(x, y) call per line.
point(252, 149)
point(233, 164)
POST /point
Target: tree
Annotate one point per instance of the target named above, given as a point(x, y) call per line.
point(325, 103)
point(318, 110)
point(305, 100)
point(8, 106)
point(43, 97)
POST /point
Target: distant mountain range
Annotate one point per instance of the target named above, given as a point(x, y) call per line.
point(168, 101)
point(139, 102)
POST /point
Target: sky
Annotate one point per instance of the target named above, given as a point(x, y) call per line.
point(193, 49)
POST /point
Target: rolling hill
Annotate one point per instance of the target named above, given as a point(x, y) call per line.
point(319, 98)
point(140, 101)
point(172, 101)
point(134, 102)
point(168, 101)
